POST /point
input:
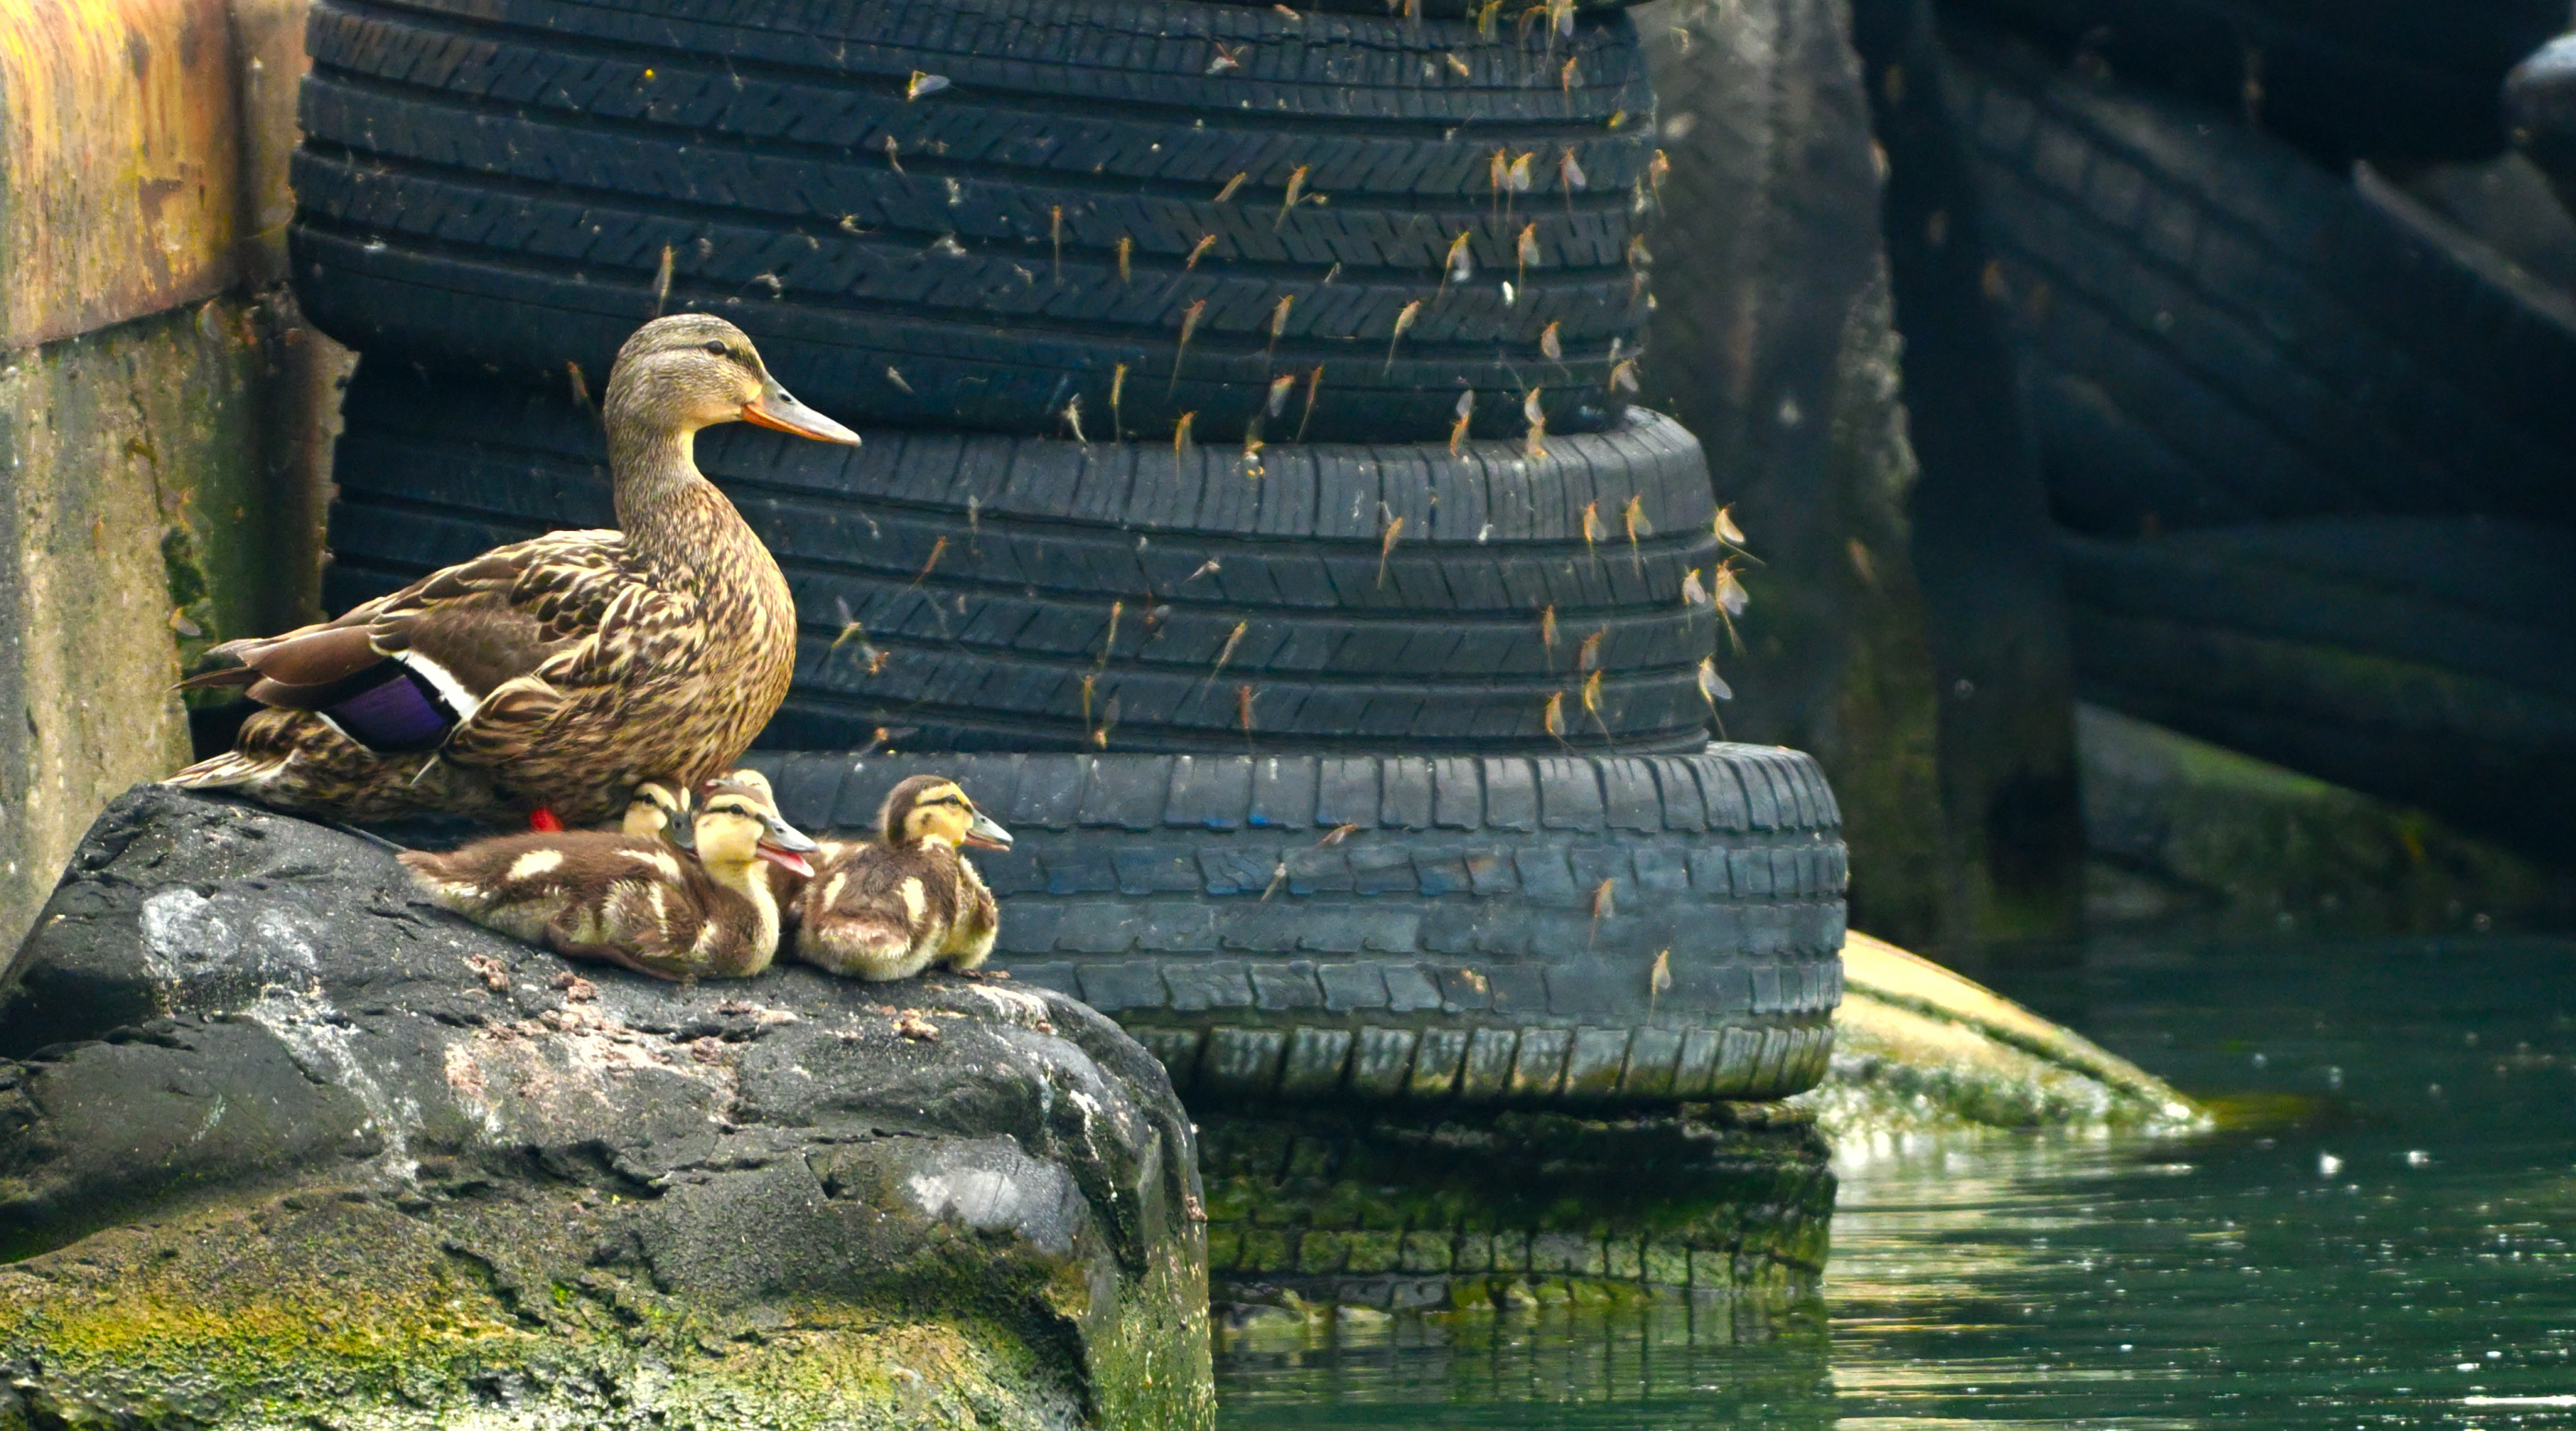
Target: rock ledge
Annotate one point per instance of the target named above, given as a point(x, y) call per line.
point(281, 1143)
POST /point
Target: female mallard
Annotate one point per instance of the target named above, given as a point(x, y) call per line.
point(545, 678)
point(891, 907)
point(703, 909)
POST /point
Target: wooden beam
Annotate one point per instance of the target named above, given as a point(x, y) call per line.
point(120, 161)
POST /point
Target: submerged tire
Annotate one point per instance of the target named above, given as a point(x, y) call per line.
point(2224, 333)
point(1128, 212)
point(1393, 1209)
point(997, 593)
point(2427, 662)
point(1560, 930)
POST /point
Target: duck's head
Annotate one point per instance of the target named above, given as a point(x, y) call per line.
point(694, 370)
point(931, 807)
point(738, 823)
point(657, 810)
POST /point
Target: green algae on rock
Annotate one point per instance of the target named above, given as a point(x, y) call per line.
point(280, 1145)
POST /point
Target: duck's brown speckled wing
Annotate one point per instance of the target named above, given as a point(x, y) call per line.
point(485, 623)
point(509, 613)
point(534, 629)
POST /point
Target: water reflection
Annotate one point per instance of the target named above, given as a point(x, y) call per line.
point(1674, 1363)
point(2381, 1239)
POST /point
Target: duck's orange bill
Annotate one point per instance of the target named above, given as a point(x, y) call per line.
point(775, 409)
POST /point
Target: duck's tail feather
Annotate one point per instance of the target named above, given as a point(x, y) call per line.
point(232, 770)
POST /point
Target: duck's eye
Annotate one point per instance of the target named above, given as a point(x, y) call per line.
point(717, 347)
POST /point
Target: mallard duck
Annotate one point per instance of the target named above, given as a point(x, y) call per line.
point(545, 678)
point(890, 907)
point(703, 911)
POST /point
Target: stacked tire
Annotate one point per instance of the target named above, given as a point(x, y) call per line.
point(2307, 440)
point(1250, 515)
point(1024, 217)
point(2412, 79)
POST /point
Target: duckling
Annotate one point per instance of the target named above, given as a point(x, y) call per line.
point(785, 883)
point(703, 911)
point(544, 678)
point(891, 907)
point(655, 810)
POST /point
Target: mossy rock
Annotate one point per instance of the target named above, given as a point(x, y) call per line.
point(281, 1145)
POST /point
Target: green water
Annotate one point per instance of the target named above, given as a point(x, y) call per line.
point(2386, 1241)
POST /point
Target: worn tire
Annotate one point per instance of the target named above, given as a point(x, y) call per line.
point(2401, 78)
point(1444, 945)
point(2540, 112)
point(1396, 1210)
point(2428, 662)
point(2223, 333)
point(1509, 16)
point(496, 183)
point(1019, 586)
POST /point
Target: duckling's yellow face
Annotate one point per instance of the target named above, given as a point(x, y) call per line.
point(942, 812)
point(691, 370)
point(729, 832)
point(744, 826)
point(655, 809)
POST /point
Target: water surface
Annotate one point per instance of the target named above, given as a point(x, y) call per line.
point(2382, 1240)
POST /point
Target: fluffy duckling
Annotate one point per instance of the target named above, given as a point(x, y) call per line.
point(786, 882)
point(891, 907)
point(656, 809)
point(705, 909)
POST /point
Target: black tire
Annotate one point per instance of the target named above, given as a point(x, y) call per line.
point(1514, 17)
point(495, 185)
point(1407, 1213)
point(2428, 662)
point(2223, 333)
point(2399, 78)
point(990, 572)
point(2540, 113)
point(1443, 946)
